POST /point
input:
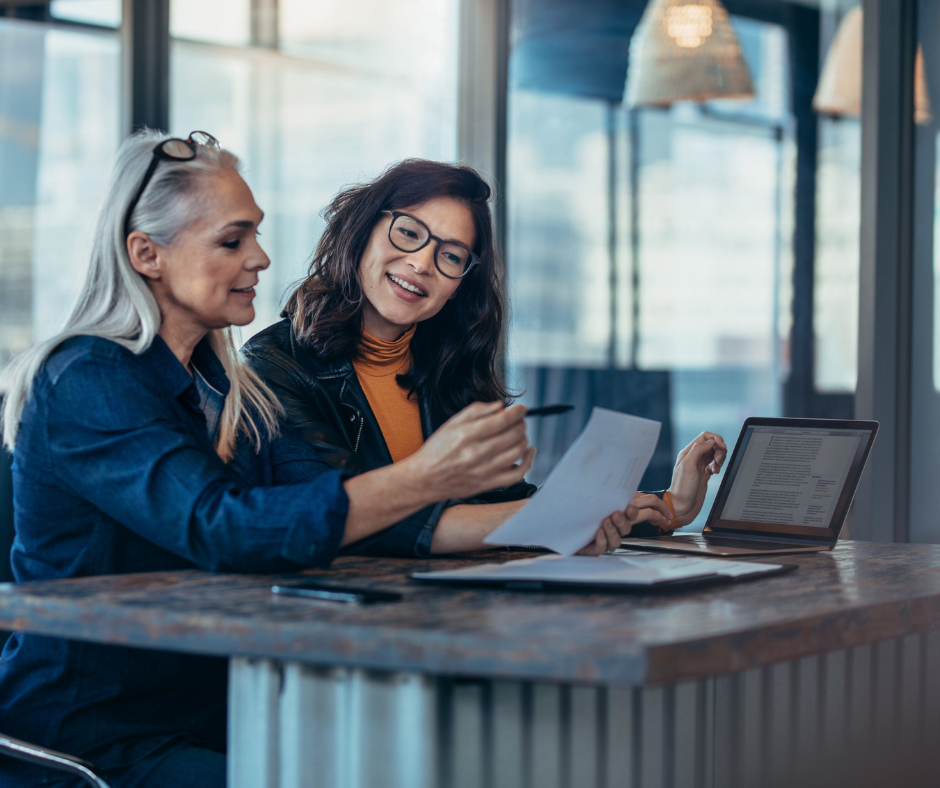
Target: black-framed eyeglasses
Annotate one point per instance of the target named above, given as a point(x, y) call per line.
point(408, 234)
point(173, 149)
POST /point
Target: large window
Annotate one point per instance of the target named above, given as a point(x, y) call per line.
point(837, 254)
point(925, 383)
point(342, 91)
point(695, 263)
point(59, 130)
point(838, 202)
point(659, 256)
point(559, 229)
point(312, 97)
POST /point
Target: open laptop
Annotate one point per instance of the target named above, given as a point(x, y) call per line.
point(787, 489)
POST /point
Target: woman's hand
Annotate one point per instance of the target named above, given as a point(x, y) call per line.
point(696, 464)
point(474, 451)
point(614, 527)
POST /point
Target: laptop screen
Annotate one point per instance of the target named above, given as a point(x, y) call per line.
point(792, 478)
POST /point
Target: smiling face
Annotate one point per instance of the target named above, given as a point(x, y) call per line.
point(205, 280)
point(404, 288)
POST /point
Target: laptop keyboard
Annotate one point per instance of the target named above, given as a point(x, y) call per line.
point(728, 541)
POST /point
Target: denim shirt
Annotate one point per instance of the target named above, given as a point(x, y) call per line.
point(114, 471)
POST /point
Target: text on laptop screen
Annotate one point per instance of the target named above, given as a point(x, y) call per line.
point(792, 476)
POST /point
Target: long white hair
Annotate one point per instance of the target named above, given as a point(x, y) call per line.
point(115, 302)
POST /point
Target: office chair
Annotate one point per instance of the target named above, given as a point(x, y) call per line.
point(52, 759)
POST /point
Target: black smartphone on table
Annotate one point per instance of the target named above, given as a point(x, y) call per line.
point(332, 592)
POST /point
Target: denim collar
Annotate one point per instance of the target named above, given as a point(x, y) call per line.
point(174, 375)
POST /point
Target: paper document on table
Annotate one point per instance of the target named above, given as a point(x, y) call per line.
point(598, 475)
point(634, 570)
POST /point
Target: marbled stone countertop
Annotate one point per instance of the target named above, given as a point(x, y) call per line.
point(859, 593)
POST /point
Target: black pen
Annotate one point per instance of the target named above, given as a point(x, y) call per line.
point(549, 410)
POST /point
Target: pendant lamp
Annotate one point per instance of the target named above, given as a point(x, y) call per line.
point(684, 51)
point(839, 91)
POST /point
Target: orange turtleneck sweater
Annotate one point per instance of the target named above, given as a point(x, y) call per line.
point(376, 365)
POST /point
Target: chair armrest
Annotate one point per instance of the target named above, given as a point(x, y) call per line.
point(24, 751)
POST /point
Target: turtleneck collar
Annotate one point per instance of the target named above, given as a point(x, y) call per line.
point(378, 358)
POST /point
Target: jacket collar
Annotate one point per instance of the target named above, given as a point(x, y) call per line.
point(209, 366)
point(323, 369)
point(315, 364)
point(174, 375)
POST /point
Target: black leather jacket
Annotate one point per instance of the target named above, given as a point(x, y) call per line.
point(324, 402)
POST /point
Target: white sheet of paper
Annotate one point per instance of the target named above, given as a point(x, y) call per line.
point(615, 570)
point(691, 563)
point(599, 474)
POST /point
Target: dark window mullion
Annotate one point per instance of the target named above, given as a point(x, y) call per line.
point(146, 40)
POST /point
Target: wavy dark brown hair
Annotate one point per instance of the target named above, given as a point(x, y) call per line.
point(455, 352)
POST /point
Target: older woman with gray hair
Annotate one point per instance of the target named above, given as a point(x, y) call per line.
point(141, 442)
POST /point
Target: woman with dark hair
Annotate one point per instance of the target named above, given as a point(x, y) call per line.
point(397, 328)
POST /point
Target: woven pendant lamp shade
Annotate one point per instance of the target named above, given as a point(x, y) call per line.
point(839, 91)
point(685, 51)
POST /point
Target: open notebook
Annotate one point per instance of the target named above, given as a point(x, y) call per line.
point(637, 570)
